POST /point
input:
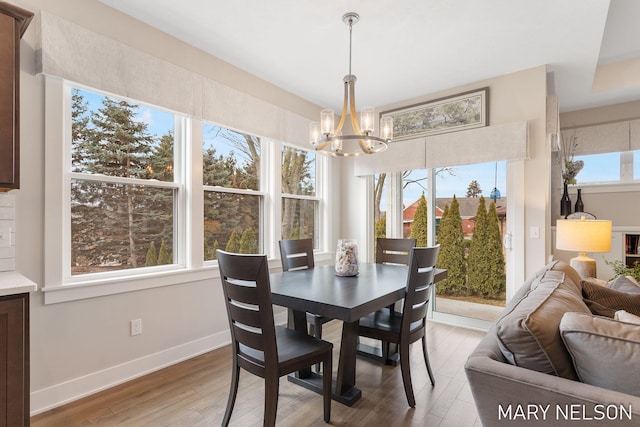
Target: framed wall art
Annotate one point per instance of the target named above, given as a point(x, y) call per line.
point(453, 113)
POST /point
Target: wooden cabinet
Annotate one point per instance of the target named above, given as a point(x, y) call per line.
point(13, 23)
point(631, 249)
point(14, 360)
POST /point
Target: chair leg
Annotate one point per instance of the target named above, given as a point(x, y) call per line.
point(317, 332)
point(406, 374)
point(271, 390)
point(327, 380)
point(426, 360)
point(233, 392)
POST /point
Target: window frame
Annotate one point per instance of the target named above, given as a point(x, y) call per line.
point(316, 198)
point(261, 192)
point(188, 221)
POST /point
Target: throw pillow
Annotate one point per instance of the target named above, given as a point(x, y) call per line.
point(623, 316)
point(599, 309)
point(595, 341)
point(612, 298)
point(594, 281)
point(527, 331)
point(625, 284)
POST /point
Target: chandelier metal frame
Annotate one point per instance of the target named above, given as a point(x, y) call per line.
point(328, 140)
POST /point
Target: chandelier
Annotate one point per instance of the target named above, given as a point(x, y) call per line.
point(324, 137)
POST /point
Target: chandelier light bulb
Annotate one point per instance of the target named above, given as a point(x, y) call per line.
point(326, 122)
point(386, 128)
point(314, 133)
point(367, 118)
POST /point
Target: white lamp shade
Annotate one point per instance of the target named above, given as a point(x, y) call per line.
point(583, 235)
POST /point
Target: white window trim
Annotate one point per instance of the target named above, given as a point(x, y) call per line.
point(189, 226)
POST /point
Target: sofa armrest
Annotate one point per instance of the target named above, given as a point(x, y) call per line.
point(507, 395)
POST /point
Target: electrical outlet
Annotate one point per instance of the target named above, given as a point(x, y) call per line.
point(5, 236)
point(136, 327)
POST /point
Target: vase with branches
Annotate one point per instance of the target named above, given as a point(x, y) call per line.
point(568, 165)
point(569, 168)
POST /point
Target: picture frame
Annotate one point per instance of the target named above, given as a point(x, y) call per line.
point(458, 112)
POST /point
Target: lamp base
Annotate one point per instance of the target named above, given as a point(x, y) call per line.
point(585, 266)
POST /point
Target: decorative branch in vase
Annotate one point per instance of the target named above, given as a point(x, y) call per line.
point(570, 169)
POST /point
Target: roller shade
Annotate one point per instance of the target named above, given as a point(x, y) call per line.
point(634, 135)
point(74, 53)
point(487, 144)
point(403, 155)
point(606, 138)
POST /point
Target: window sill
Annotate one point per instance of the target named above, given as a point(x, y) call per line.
point(116, 285)
point(605, 187)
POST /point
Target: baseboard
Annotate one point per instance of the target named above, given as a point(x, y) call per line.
point(77, 388)
point(57, 395)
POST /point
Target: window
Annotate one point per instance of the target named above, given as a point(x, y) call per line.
point(429, 222)
point(134, 203)
point(232, 197)
point(300, 201)
point(122, 185)
point(621, 166)
point(600, 168)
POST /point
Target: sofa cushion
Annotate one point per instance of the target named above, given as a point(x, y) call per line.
point(611, 298)
point(604, 351)
point(624, 284)
point(527, 331)
point(623, 316)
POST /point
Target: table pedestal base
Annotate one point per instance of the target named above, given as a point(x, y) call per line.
point(314, 383)
point(375, 353)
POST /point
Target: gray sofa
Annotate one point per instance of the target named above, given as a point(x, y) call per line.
point(527, 372)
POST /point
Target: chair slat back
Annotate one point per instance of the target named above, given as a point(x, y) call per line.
point(393, 251)
point(247, 294)
point(419, 282)
point(296, 254)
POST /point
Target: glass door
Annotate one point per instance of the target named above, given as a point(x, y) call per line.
point(468, 218)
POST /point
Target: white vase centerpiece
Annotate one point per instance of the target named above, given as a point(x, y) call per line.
point(347, 258)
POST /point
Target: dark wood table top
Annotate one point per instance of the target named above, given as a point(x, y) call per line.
point(320, 291)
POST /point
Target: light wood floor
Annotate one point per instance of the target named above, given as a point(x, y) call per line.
point(194, 393)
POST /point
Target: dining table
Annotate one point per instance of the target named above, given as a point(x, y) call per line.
point(320, 291)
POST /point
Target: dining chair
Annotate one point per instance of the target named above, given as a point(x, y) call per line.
point(409, 326)
point(259, 346)
point(393, 251)
point(388, 251)
point(298, 255)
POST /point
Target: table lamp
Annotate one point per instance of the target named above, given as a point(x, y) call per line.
point(583, 235)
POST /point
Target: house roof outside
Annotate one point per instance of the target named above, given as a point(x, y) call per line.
point(468, 207)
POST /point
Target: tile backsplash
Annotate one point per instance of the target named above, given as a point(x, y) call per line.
point(7, 232)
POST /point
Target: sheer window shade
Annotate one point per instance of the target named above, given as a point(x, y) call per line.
point(487, 144)
point(74, 53)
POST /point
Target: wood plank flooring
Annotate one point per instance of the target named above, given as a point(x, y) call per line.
point(194, 393)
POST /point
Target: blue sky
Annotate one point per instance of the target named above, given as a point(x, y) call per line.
point(457, 183)
point(158, 121)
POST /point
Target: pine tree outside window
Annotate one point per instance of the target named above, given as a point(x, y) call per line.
point(122, 185)
point(232, 197)
point(300, 202)
point(445, 206)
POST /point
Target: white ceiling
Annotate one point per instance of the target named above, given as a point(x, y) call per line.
point(407, 48)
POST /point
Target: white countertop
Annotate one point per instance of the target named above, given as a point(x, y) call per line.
point(12, 282)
